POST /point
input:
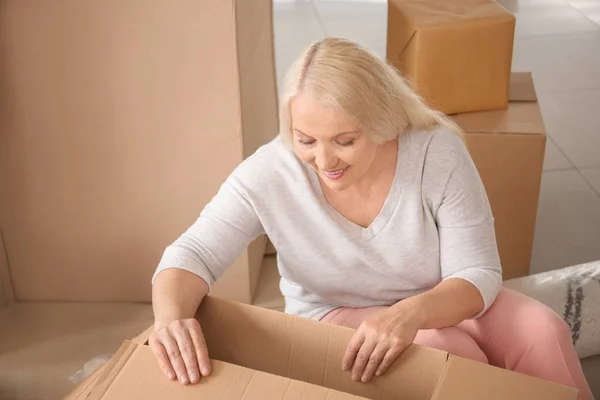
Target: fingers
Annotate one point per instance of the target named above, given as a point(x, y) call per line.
point(391, 356)
point(201, 349)
point(174, 355)
point(352, 350)
point(362, 358)
point(374, 362)
point(188, 353)
point(163, 360)
point(181, 352)
point(369, 354)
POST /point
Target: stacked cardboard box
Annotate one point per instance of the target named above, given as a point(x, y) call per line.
point(508, 148)
point(120, 126)
point(120, 120)
point(457, 55)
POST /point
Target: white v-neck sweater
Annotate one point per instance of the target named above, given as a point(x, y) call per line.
point(435, 224)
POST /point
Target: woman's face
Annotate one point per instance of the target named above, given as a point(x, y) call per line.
point(330, 142)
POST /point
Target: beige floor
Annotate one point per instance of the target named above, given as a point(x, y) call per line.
point(43, 344)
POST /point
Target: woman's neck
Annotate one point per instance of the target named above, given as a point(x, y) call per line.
point(381, 172)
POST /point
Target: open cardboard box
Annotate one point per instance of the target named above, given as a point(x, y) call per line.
point(263, 354)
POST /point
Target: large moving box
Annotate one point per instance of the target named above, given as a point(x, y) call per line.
point(120, 120)
point(508, 148)
point(264, 354)
point(456, 54)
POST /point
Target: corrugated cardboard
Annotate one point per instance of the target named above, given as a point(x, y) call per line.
point(120, 121)
point(136, 364)
point(508, 148)
point(244, 338)
point(456, 54)
point(496, 383)
point(308, 351)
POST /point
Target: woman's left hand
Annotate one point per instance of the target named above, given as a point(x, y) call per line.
point(380, 340)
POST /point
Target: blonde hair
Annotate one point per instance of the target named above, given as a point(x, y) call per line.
point(341, 74)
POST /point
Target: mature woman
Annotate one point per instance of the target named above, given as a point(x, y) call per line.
point(381, 224)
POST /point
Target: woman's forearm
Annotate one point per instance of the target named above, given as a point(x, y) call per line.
point(176, 294)
point(449, 303)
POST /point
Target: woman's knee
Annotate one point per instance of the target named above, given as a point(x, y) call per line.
point(549, 325)
point(453, 341)
point(526, 318)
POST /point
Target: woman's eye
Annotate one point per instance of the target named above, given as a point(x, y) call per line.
point(345, 144)
point(305, 143)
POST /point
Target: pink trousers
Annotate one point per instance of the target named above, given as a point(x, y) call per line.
point(516, 333)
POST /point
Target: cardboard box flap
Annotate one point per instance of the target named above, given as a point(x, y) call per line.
point(469, 380)
point(136, 375)
point(421, 14)
point(523, 115)
point(85, 387)
point(309, 351)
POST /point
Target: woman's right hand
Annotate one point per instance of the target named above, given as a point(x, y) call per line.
point(180, 349)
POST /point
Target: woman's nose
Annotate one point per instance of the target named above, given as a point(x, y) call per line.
point(325, 160)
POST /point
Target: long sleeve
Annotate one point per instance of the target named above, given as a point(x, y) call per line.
point(468, 247)
point(225, 227)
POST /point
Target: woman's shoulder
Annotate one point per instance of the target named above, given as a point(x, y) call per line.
point(438, 145)
point(438, 154)
point(270, 163)
point(438, 151)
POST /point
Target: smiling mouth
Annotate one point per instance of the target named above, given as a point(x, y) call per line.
point(337, 174)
